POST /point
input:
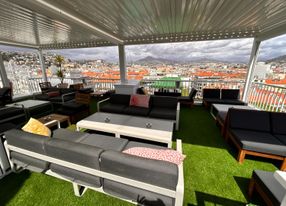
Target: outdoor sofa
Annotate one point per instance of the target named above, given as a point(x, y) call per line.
point(96, 162)
point(160, 107)
point(258, 133)
point(271, 186)
point(221, 96)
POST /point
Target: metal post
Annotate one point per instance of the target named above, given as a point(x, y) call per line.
point(3, 73)
point(251, 67)
point(43, 66)
point(122, 66)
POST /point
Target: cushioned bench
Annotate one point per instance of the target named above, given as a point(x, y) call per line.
point(221, 96)
point(258, 133)
point(160, 107)
point(268, 186)
point(96, 161)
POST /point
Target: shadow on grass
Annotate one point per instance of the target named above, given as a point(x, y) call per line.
point(206, 199)
point(10, 185)
point(242, 183)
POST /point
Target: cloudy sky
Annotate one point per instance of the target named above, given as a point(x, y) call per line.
point(226, 50)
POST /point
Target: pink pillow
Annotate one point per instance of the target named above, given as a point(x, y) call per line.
point(139, 100)
point(168, 155)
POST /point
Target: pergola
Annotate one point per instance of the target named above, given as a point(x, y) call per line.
point(60, 24)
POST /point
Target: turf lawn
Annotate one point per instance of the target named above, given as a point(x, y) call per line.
point(212, 174)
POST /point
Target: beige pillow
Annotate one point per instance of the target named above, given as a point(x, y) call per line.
point(36, 127)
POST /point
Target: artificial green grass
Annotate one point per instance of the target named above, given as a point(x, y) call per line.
point(212, 174)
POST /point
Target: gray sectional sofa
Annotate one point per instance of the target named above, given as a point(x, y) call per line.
point(96, 162)
point(257, 133)
point(160, 107)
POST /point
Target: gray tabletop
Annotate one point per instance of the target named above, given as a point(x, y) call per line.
point(29, 103)
point(132, 121)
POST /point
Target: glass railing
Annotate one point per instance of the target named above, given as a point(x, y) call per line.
point(267, 97)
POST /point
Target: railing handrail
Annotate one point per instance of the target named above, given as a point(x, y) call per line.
point(269, 85)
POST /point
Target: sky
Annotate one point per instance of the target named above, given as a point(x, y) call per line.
point(235, 50)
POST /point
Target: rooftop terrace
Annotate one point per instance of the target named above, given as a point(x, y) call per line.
point(212, 174)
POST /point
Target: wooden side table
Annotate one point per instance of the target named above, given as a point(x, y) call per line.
point(54, 119)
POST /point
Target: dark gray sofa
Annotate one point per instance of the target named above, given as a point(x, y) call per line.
point(160, 107)
point(269, 187)
point(221, 96)
point(96, 161)
point(258, 133)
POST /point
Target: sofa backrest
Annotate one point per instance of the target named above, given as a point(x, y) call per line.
point(120, 99)
point(164, 102)
point(249, 120)
point(26, 140)
point(193, 93)
point(77, 153)
point(160, 173)
point(211, 93)
point(230, 94)
point(278, 122)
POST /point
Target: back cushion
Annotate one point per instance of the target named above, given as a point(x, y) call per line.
point(193, 93)
point(278, 122)
point(120, 99)
point(25, 140)
point(211, 93)
point(77, 153)
point(230, 93)
point(164, 102)
point(155, 172)
point(249, 120)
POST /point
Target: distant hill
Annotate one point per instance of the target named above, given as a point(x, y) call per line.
point(280, 59)
point(153, 60)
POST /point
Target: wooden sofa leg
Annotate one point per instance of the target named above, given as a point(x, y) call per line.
point(283, 166)
point(241, 156)
point(251, 187)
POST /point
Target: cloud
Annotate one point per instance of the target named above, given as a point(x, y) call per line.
point(233, 50)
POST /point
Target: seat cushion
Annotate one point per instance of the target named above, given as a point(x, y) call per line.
point(213, 100)
point(163, 113)
point(58, 99)
point(267, 182)
point(105, 142)
point(69, 135)
point(29, 163)
point(249, 120)
point(139, 111)
point(74, 105)
point(281, 138)
point(278, 122)
point(122, 99)
point(143, 197)
point(233, 102)
point(156, 172)
point(164, 102)
point(44, 97)
point(259, 142)
point(76, 176)
point(113, 108)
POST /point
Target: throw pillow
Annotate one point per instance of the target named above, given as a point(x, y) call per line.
point(139, 100)
point(53, 94)
point(168, 155)
point(36, 127)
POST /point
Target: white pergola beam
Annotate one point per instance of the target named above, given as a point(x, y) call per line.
point(75, 18)
point(17, 44)
point(251, 67)
point(122, 63)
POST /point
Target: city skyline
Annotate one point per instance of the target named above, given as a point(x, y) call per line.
point(234, 50)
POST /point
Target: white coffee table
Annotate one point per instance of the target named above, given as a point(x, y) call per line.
point(126, 125)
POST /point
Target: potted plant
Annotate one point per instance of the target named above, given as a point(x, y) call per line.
point(60, 72)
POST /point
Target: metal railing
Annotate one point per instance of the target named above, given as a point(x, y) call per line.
point(267, 97)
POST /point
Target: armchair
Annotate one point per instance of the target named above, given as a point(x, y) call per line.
point(5, 95)
point(189, 100)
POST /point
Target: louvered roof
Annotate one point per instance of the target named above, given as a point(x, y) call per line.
point(51, 24)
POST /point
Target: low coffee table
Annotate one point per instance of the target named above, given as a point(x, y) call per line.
point(49, 120)
point(156, 130)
